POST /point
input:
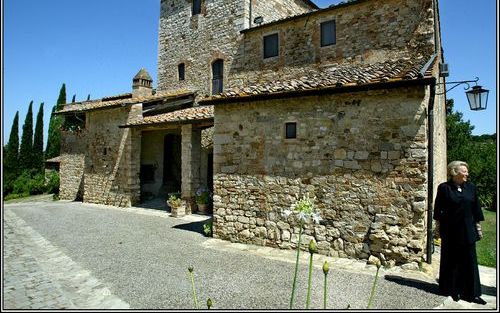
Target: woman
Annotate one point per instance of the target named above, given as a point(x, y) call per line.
point(457, 214)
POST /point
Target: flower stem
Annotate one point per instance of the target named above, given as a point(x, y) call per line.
point(373, 289)
point(309, 281)
point(296, 269)
point(194, 290)
point(324, 294)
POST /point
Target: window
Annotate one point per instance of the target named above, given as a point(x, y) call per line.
point(217, 76)
point(328, 33)
point(196, 7)
point(290, 130)
point(271, 47)
point(181, 67)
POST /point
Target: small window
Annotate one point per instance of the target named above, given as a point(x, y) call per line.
point(217, 76)
point(181, 67)
point(290, 130)
point(271, 47)
point(328, 33)
point(196, 7)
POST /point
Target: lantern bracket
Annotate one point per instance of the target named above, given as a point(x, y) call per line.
point(458, 83)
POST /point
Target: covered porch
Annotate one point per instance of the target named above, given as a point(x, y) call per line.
point(176, 155)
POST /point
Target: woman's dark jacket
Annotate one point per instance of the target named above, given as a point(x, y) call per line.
point(458, 212)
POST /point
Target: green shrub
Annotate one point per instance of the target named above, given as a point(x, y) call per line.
point(207, 229)
point(37, 185)
point(12, 196)
point(52, 183)
point(22, 184)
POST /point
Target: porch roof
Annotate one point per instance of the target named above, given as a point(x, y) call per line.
point(184, 116)
point(56, 159)
point(117, 101)
point(334, 78)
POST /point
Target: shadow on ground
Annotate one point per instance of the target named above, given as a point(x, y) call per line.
point(196, 227)
point(415, 283)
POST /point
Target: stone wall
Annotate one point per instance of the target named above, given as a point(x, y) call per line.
point(272, 10)
point(363, 156)
point(111, 169)
point(367, 32)
point(72, 161)
point(199, 40)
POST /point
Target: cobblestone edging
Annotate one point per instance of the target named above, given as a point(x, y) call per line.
point(37, 275)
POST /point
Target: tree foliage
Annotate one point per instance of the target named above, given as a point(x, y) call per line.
point(11, 156)
point(26, 148)
point(54, 135)
point(38, 142)
point(478, 151)
point(61, 100)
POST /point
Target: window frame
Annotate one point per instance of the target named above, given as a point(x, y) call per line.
point(334, 33)
point(276, 34)
point(219, 78)
point(181, 66)
point(286, 129)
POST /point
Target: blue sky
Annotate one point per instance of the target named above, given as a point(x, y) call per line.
point(96, 46)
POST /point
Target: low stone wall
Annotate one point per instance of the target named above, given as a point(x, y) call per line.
point(102, 189)
point(362, 214)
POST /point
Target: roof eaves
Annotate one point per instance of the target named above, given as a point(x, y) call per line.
point(161, 123)
point(389, 84)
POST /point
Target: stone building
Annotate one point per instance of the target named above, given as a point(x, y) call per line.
point(269, 101)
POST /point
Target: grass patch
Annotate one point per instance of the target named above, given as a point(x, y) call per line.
point(486, 248)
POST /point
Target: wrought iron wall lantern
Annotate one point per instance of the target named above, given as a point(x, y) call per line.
point(477, 97)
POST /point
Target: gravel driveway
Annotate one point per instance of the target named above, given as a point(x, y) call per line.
point(142, 257)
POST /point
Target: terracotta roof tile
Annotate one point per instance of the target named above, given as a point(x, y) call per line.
point(121, 101)
point(337, 75)
point(184, 115)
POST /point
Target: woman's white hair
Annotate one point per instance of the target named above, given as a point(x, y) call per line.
point(454, 166)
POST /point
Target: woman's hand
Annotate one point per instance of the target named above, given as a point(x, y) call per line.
point(479, 230)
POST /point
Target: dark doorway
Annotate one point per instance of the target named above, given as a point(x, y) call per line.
point(172, 163)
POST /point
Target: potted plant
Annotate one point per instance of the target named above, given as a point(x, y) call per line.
point(203, 199)
point(177, 205)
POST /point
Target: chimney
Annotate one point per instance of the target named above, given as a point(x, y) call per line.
point(142, 84)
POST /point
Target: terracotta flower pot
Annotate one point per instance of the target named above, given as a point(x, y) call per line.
point(202, 207)
point(178, 211)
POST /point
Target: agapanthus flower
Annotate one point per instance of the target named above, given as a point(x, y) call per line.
point(286, 213)
point(316, 218)
point(303, 210)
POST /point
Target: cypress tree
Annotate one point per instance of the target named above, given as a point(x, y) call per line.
point(54, 136)
point(88, 97)
point(73, 100)
point(26, 148)
point(38, 142)
point(11, 153)
point(61, 100)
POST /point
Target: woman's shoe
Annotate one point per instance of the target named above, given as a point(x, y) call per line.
point(479, 300)
point(455, 297)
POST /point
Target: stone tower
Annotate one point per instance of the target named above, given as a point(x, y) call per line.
point(142, 84)
point(198, 40)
